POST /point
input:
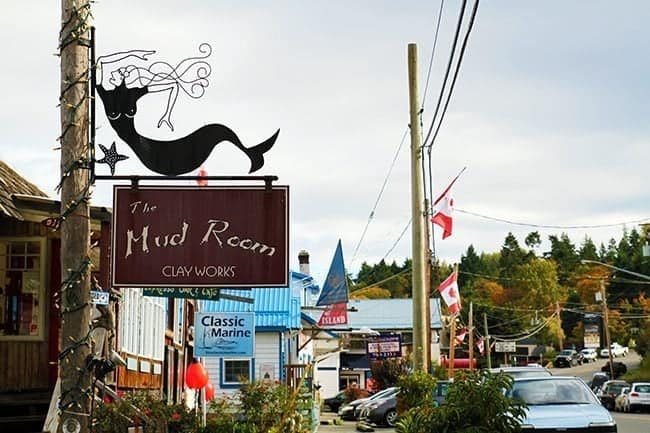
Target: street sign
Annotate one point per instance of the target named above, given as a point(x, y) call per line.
point(224, 334)
point(505, 346)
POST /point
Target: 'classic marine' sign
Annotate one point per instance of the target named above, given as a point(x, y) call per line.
point(224, 334)
point(200, 236)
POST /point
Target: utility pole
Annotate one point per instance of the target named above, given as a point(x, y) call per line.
point(606, 326)
point(74, 343)
point(487, 341)
point(420, 361)
point(559, 319)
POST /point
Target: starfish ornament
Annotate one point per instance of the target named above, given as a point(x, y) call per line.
point(111, 157)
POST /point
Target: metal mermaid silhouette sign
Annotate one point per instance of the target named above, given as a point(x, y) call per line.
point(125, 77)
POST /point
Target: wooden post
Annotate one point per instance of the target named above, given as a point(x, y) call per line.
point(74, 344)
point(471, 336)
point(487, 341)
point(452, 346)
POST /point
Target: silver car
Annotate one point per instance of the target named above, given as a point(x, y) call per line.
point(559, 403)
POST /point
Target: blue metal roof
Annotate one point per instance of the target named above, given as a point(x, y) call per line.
point(274, 307)
point(383, 314)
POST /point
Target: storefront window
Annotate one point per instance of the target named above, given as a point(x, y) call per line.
point(21, 287)
point(236, 371)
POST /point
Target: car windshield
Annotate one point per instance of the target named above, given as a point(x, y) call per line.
point(566, 353)
point(615, 387)
point(383, 393)
point(642, 388)
point(517, 372)
point(552, 391)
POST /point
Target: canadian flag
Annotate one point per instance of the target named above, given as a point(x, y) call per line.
point(480, 345)
point(460, 337)
point(203, 173)
point(449, 291)
point(442, 216)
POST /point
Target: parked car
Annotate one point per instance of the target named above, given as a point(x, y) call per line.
point(381, 412)
point(619, 369)
point(609, 391)
point(567, 358)
point(558, 403)
point(617, 350)
point(597, 380)
point(638, 397)
point(516, 372)
point(333, 403)
point(589, 355)
point(350, 411)
point(620, 399)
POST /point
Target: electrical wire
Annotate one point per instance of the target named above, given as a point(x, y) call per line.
point(457, 70)
point(433, 52)
point(549, 226)
point(381, 192)
point(449, 63)
point(398, 239)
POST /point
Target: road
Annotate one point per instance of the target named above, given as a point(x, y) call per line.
point(627, 423)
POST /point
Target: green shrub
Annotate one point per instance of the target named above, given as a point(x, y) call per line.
point(475, 403)
point(159, 417)
point(416, 389)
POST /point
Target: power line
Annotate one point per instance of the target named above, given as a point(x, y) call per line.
point(550, 226)
point(381, 192)
point(458, 63)
point(433, 51)
point(398, 239)
point(449, 63)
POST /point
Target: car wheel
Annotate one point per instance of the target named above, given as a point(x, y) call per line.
point(391, 417)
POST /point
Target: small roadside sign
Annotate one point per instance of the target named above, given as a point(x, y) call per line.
point(505, 346)
point(98, 297)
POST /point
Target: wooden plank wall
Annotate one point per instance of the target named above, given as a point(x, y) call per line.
point(23, 365)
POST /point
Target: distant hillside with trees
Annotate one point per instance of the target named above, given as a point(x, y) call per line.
point(522, 291)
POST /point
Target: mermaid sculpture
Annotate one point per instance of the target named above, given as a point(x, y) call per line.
point(120, 88)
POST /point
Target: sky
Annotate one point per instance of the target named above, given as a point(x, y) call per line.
point(549, 113)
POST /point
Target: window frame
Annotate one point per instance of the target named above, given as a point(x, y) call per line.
point(231, 384)
point(44, 281)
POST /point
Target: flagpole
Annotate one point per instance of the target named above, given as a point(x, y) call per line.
point(449, 186)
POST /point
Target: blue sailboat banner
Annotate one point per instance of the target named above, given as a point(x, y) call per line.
point(335, 288)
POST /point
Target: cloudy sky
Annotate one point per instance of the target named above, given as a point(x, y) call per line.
point(549, 115)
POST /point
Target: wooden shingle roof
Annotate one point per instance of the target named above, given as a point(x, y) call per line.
point(13, 183)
